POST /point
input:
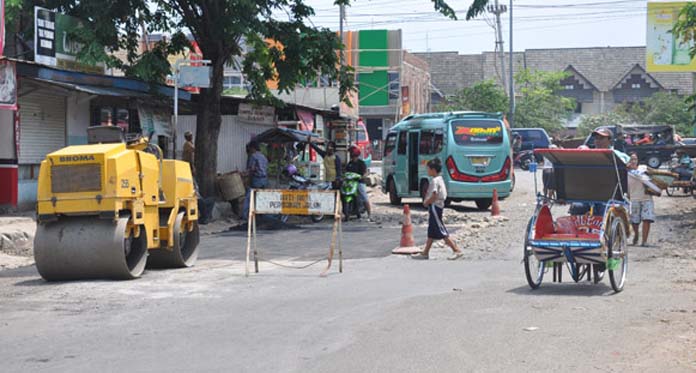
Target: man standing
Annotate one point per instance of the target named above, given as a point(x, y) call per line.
point(257, 166)
point(642, 206)
point(358, 166)
point(189, 151)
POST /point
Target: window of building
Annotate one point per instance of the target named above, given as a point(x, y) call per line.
point(569, 87)
point(635, 85)
point(578, 107)
point(393, 85)
point(233, 81)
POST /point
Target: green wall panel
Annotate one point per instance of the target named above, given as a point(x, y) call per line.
point(374, 89)
point(373, 39)
point(373, 85)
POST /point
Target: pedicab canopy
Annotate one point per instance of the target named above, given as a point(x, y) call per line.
point(587, 174)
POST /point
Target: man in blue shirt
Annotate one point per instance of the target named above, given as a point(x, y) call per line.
point(257, 170)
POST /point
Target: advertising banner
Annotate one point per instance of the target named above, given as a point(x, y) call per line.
point(664, 52)
point(53, 45)
point(2, 27)
point(8, 86)
point(256, 114)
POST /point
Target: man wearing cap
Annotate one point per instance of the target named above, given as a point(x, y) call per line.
point(189, 151)
point(602, 139)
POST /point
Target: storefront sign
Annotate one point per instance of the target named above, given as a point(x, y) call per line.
point(256, 114)
point(53, 45)
point(155, 120)
point(8, 85)
point(665, 52)
point(194, 76)
point(295, 202)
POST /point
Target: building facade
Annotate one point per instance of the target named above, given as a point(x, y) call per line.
point(598, 78)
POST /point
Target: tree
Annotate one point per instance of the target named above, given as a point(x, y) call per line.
point(538, 104)
point(483, 96)
point(297, 53)
point(660, 108)
point(685, 30)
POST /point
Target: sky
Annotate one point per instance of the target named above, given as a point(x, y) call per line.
point(536, 23)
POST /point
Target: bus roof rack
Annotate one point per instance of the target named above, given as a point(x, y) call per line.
point(464, 114)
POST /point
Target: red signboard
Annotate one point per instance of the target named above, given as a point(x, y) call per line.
point(2, 27)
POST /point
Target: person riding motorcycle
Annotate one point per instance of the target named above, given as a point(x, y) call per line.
point(358, 166)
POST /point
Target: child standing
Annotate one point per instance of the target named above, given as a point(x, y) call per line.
point(435, 202)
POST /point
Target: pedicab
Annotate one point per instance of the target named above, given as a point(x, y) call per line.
point(591, 239)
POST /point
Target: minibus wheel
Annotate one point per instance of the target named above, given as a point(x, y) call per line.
point(483, 203)
point(394, 198)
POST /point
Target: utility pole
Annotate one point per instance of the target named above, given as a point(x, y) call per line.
point(341, 16)
point(498, 9)
point(512, 75)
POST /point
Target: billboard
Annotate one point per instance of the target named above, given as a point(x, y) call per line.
point(8, 85)
point(665, 53)
point(53, 45)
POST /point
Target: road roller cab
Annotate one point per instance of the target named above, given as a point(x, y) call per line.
point(101, 207)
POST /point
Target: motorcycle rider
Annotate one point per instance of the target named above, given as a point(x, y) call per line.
point(359, 167)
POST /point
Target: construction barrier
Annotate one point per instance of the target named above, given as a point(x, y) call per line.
point(295, 202)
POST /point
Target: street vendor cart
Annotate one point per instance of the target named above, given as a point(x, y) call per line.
point(590, 238)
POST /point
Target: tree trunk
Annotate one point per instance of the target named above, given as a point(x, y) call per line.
point(208, 123)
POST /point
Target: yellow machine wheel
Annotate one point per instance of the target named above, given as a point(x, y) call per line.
point(184, 252)
point(75, 248)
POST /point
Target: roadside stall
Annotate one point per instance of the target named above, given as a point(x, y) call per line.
point(284, 147)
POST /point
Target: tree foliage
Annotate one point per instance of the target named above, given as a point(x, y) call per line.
point(660, 108)
point(483, 96)
point(539, 105)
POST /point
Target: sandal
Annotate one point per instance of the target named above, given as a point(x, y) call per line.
point(456, 256)
point(420, 256)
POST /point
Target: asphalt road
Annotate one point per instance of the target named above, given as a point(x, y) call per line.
point(383, 314)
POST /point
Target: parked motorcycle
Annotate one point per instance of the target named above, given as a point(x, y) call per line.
point(524, 158)
point(349, 195)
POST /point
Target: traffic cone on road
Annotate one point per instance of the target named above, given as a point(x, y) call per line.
point(407, 245)
point(495, 208)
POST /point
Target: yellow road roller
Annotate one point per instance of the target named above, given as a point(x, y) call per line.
point(108, 208)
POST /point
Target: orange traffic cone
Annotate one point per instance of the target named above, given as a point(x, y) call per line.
point(495, 208)
point(407, 245)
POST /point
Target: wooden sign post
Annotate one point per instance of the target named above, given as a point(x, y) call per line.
point(295, 202)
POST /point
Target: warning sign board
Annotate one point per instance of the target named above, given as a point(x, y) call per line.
point(295, 202)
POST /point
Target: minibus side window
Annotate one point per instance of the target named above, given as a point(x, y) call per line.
point(426, 142)
point(402, 142)
point(438, 142)
point(389, 144)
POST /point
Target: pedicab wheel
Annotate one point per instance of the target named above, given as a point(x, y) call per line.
point(617, 262)
point(317, 218)
point(669, 191)
point(533, 268)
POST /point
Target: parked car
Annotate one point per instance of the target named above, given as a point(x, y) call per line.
point(533, 138)
point(654, 144)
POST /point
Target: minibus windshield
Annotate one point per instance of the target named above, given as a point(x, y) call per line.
point(477, 132)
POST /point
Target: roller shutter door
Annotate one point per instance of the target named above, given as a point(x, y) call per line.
point(42, 126)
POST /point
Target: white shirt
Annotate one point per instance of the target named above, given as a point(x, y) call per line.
point(437, 185)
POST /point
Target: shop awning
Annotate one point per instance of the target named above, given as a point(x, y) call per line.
point(94, 90)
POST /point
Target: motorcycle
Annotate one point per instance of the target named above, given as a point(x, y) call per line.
point(349, 195)
point(524, 158)
point(298, 182)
